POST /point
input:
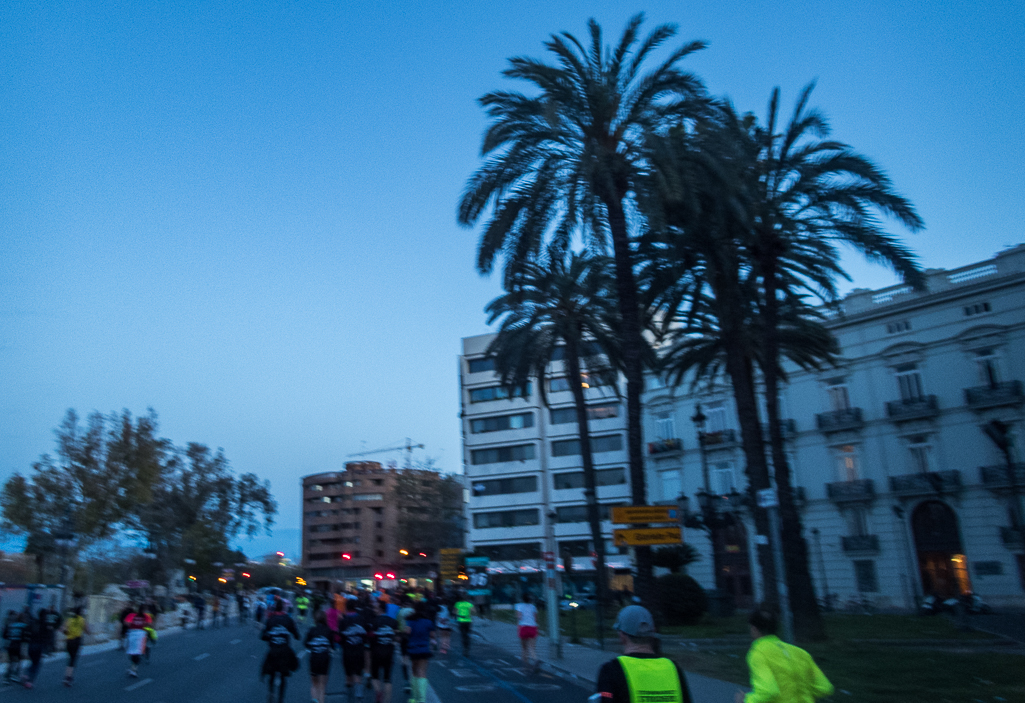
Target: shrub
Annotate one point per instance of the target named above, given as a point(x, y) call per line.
point(679, 599)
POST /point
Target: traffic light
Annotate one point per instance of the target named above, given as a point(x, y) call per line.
point(346, 556)
point(379, 576)
point(300, 581)
point(192, 578)
point(246, 574)
point(390, 575)
point(404, 552)
point(462, 573)
point(423, 554)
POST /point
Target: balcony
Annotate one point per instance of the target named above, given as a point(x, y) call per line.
point(721, 439)
point(860, 543)
point(996, 478)
point(839, 420)
point(931, 483)
point(1012, 537)
point(851, 491)
point(916, 409)
point(993, 396)
point(665, 446)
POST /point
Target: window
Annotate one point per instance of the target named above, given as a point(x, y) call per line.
point(898, 327)
point(847, 463)
point(857, 521)
point(989, 373)
point(368, 496)
point(571, 447)
point(504, 486)
point(578, 513)
point(480, 395)
point(316, 488)
point(561, 383)
point(718, 420)
point(671, 484)
point(588, 349)
point(976, 309)
point(350, 484)
point(602, 477)
point(558, 384)
point(482, 365)
point(563, 416)
point(511, 552)
point(722, 478)
point(920, 449)
point(665, 426)
point(909, 382)
point(865, 573)
point(839, 398)
point(502, 422)
point(498, 455)
point(506, 518)
point(377, 481)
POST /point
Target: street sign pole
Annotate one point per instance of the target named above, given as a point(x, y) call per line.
point(768, 499)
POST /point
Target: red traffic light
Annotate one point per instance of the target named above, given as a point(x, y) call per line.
point(346, 556)
point(390, 575)
point(423, 554)
point(379, 576)
point(246, 574)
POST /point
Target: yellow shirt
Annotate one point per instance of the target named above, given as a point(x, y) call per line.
point(783, 673)
point(74, 627)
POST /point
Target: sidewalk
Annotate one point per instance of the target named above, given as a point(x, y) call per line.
point(581, 662)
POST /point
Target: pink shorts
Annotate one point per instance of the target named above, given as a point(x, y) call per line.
point(527, 632)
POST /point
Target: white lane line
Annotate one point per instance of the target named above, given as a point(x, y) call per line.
point(234, 641)
point(201, 657)
point(140, 684)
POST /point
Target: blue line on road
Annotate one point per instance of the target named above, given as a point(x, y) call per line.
point(502, 683)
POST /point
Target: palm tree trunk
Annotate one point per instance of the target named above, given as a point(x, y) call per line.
point(808, 624)
point(590, 481)
point(632, 345)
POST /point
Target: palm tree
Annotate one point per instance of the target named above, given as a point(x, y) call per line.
point(810, 194)
point(565, 161)
point(561, 299)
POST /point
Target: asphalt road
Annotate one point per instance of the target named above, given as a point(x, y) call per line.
point(214, 666)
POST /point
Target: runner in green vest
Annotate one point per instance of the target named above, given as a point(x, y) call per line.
point(640, 675)
point(302, 604)
point(464, 616)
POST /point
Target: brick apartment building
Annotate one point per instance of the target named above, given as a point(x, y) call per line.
point(351, 527)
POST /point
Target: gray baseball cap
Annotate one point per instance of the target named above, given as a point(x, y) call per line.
point(636, 621)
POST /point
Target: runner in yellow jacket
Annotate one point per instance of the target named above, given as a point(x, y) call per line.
point(780, 672)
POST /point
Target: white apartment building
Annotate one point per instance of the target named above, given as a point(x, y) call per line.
point(902, 492)
point(523, 467)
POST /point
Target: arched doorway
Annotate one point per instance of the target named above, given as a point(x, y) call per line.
point(732, 564)
point(941, 559)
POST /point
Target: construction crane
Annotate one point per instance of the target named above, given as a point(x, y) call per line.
point(408, 447)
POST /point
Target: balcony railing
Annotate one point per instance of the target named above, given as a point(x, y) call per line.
point(860, 543)
point(663, 446)
point(1012, 537)
point(915, 409)
point(930, 483)
point(994, 477)
point(839, 420)
point(851, 491)
point(721, 438)
point(1006, 393)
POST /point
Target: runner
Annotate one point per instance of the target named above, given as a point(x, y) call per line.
point(136, 624)
point(405, 611)
point(15, 633)
point(464, 616)
point(129, 609)
point(51, 620)
point(199, 603)
point(320, 640)
point(302, 604)
point(418, 631)
point(38, 636)
point(280, 661)
point(354, 647)
point(526, 613)
point(215, 609)
point(383, 632)
point(74, 627)
point(443, 621)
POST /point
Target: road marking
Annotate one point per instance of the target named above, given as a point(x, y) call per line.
point(516, 670)
point(496, 662)
point(540, 686)
point(234, 641)
point(140, 684)
point(476, 688)
point(464, 673)
point(201, 657)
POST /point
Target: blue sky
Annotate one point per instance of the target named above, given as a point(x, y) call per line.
point(243, 214)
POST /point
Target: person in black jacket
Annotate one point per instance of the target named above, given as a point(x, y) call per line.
point(15, 633)
point(320, 640)
point(38, 637)
point(280, 661)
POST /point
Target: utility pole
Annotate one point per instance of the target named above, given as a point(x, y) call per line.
point(769, 499)
point(551, 573)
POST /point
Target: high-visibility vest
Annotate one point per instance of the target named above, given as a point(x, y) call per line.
point(652, 680)
point(463, 610)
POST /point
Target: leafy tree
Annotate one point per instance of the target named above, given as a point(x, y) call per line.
point(674, 557)
point(565, 161)
point(430, 510)
point(563, 299)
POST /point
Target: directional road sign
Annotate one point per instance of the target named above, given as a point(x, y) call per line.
point(640, 514)
point(639, 537)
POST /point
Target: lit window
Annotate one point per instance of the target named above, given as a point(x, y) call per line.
point(847, 463)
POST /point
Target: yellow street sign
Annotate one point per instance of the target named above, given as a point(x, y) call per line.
point(450, 562)
point(644, 536)
point(639, 514)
